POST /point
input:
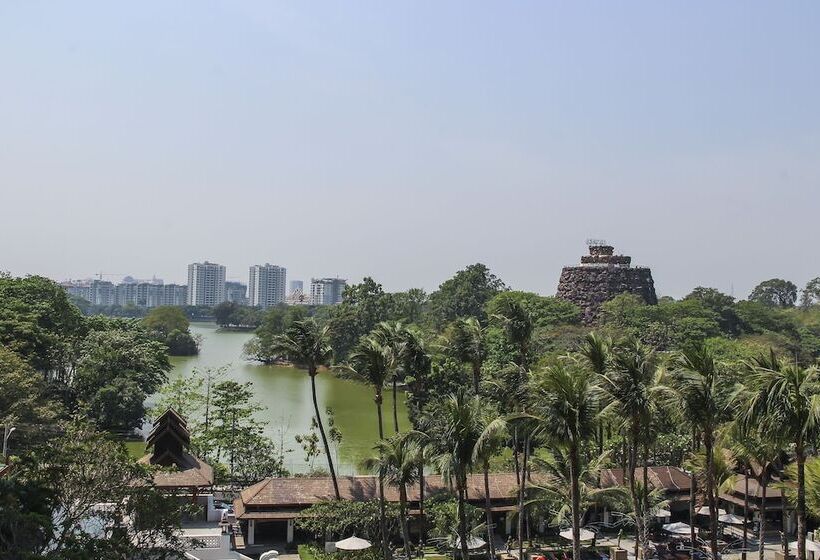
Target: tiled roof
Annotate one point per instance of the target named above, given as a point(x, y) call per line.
point(668, 479)
point(189, 471)
point(282, 492)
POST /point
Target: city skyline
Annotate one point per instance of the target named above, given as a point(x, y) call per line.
point(398, 142)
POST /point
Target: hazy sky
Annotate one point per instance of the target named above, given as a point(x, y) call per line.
point(405, 140)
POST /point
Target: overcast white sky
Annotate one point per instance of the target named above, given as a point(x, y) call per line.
point(405, 140)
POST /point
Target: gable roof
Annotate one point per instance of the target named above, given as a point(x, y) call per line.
point(665, 478)
point(303, 492)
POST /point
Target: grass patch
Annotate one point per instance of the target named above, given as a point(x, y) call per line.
point(136, 449)
point(306, 552)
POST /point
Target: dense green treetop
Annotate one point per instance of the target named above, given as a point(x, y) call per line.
point(775, 292)
point(166, 319)
point(39, 322)
point(464, 295)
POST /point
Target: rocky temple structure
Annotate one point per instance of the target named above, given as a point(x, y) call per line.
point(601, 276)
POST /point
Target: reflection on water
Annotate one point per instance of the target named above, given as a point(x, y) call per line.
point(285, 392)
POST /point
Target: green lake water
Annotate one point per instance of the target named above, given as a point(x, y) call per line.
point(285, 392)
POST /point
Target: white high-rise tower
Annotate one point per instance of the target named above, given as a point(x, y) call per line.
point(266, 285)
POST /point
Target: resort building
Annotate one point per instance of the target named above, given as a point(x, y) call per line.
point(268, 510)
point(327, 291)
point(673, 482)
point(266, 285)
point(206, 283)
point(734, 500)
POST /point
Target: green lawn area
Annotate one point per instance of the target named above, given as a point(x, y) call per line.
point(305, 552)
point(136, 449)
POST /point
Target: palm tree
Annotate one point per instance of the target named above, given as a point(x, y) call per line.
point(308, 344)
point(458, 427)
point(397, 464)
point(786, 401)
point(567, 405)
point(371, 363)
point(518, 326)
point(759, 459)
point(702, 392)
point(494, 436)
point(391, 335)
point(465, 340)
point(553, 491)
point(596, 351)
point(627, 393)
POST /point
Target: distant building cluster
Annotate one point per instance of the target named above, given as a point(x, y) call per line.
point(207, 286)
point(139, 294)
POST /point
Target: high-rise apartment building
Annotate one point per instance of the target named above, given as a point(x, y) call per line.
point(266, 285)
point(295, 286)
point(326, 291)
point(206, 283)
point(236, 292)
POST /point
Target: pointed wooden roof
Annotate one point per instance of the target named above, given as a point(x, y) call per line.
point(170, 440)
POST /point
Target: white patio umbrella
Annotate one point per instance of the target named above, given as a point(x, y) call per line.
point(353, 543)
point(585, 534)
point(662, 513)
point(811, 546)
point(704, 510)
point(731, 519)
point(678, 528)
point(472, 543)
point(269, 555)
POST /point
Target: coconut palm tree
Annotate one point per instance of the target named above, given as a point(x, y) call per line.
point(307, 344)
point(553, 489)
point(397, 463)
point(786, 402)
point(493, 438)
point(392, 335)
point(758, 458)
point(371, 363)
point(596, 351)
point(567, 405)
point(465, 340)
point(702, 392)
point(459, 425)
point(628, 385)
point(518, 326)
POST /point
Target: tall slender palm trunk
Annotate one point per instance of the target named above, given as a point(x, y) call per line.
point(395, 406)
point(784, 539)
point(745, 514)
point(382, 512)
point(321, 425)
point(422, 521)
point(633, 487)
point(708, 444)
point(761, 548)
point(488, 509)
point(405, 530)
point(522, 488)
point(693, 495)
point(476, 376)
point(462, 520)
point(801, 501)
point(576, 502)
point(645, 478)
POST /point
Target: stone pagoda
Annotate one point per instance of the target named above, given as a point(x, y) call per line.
point(601, 276)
